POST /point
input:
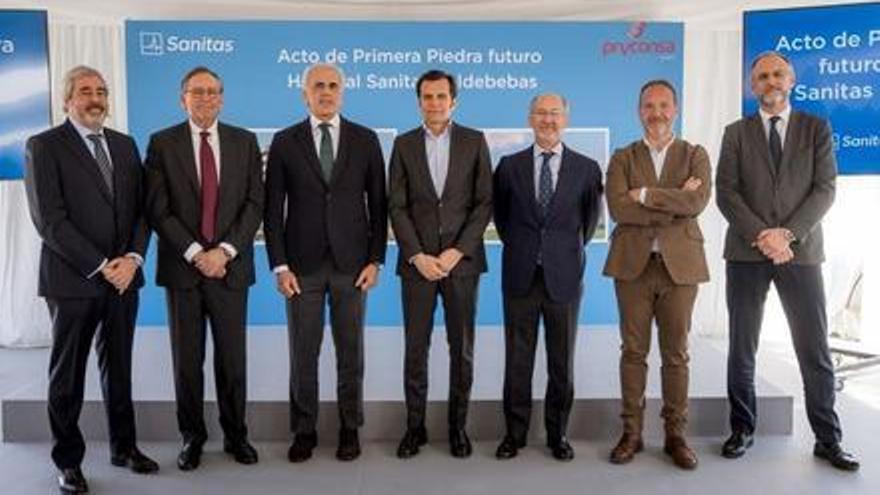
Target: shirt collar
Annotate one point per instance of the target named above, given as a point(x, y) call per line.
point(315, 121)
point(665, 147)
point(443, 135)
point(84, 131)
point(197, 131)
point(556, 150)
point(765, 116)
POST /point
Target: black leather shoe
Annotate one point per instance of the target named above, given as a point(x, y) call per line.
point(349, 447)
point(71, 480)
point(411, 441)
point(190, 455)
point(301, 449)
point(561, 449)
point(242, 451)
point(135, 460)
point(736, 445)
point(508, 448)
point(838, 458)
point(459, 443)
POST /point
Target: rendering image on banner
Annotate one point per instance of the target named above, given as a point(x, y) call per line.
point(835, 51)
point(24, 76)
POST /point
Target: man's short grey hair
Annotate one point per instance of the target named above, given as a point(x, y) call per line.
point(773, 53)
point(323, 65)
point(75, 74)
point(536, 98)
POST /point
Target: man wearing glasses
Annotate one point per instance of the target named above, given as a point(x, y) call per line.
point(205, 201)
point(547, 203)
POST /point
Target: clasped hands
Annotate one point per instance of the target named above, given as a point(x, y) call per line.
point(434, 268)
point(775, 243)
point(691, 184)
point(120, 272)
point(212, 262)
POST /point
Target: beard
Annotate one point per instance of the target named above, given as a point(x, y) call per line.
point(774, 97)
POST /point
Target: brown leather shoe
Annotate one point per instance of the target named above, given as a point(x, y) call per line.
point(682, 455)
point(627, 448)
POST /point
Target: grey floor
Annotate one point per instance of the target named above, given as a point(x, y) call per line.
point(775, 465)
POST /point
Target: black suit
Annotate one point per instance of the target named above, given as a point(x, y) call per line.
point(550, 288)
point(82, 223)
point(425, 222)
point(327, 233)
point(174, 207)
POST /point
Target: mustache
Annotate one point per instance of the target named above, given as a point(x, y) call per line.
point(96, 106)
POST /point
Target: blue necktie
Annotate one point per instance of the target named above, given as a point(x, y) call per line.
point(103, 161)
point(545, 184)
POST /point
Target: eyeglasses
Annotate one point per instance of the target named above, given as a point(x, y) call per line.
point(205, 92)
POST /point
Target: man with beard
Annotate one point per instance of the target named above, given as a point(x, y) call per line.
point(776, 180)
point(85, 192)
point(656, 188)
point(205, 201)
point(547, 200)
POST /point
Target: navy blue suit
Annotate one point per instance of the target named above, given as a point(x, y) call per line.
point(549, 288)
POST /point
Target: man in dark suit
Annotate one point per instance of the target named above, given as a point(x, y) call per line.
point(776, 176)
point(440, 202)
point(547, 200)
point(205, 201)
point(657, 186)
point(85, 191)
point(326, 231)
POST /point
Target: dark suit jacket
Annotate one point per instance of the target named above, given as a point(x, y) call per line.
point(753, 197)
point(669, 214)
point(348, 216)
point(570, 223)
point(426, 223)
point(174, 202)
point(80, 223)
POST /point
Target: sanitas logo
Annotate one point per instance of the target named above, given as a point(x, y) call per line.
point(637, 45)
point(155, 44)
point(7, 47)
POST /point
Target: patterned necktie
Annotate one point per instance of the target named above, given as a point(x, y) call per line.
point(545, 183)
point(775, 143)
point(103, 161)
point(326, 155)
point(209, 187)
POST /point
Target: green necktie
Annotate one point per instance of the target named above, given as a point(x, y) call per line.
point(326, 155)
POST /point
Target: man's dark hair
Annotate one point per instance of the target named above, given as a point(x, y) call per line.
point(436, 75)
point(196, 71)
point(659, 82)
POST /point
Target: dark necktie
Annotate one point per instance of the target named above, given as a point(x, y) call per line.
point(326, 155)
point(545, 184)
point(209, 187)
point(103, 161)
point(775, 143)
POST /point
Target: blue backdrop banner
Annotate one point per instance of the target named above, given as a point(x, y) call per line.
point(500, 66)
point(24, 74)
point(836, 54)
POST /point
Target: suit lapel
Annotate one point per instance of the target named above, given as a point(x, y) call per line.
point(792, 141)
point(421, 164)
point(525, 173)
point(229, 176)
point(455, 149)
point(307, 142)
point(668, 177)
point(342, 154)
point(756, 134)
point(645, 165)
point(564, 182)
point(86, 160)
point(187, 158)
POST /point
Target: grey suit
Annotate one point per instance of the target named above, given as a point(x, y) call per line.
point(426, 223)
point(753, 196)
